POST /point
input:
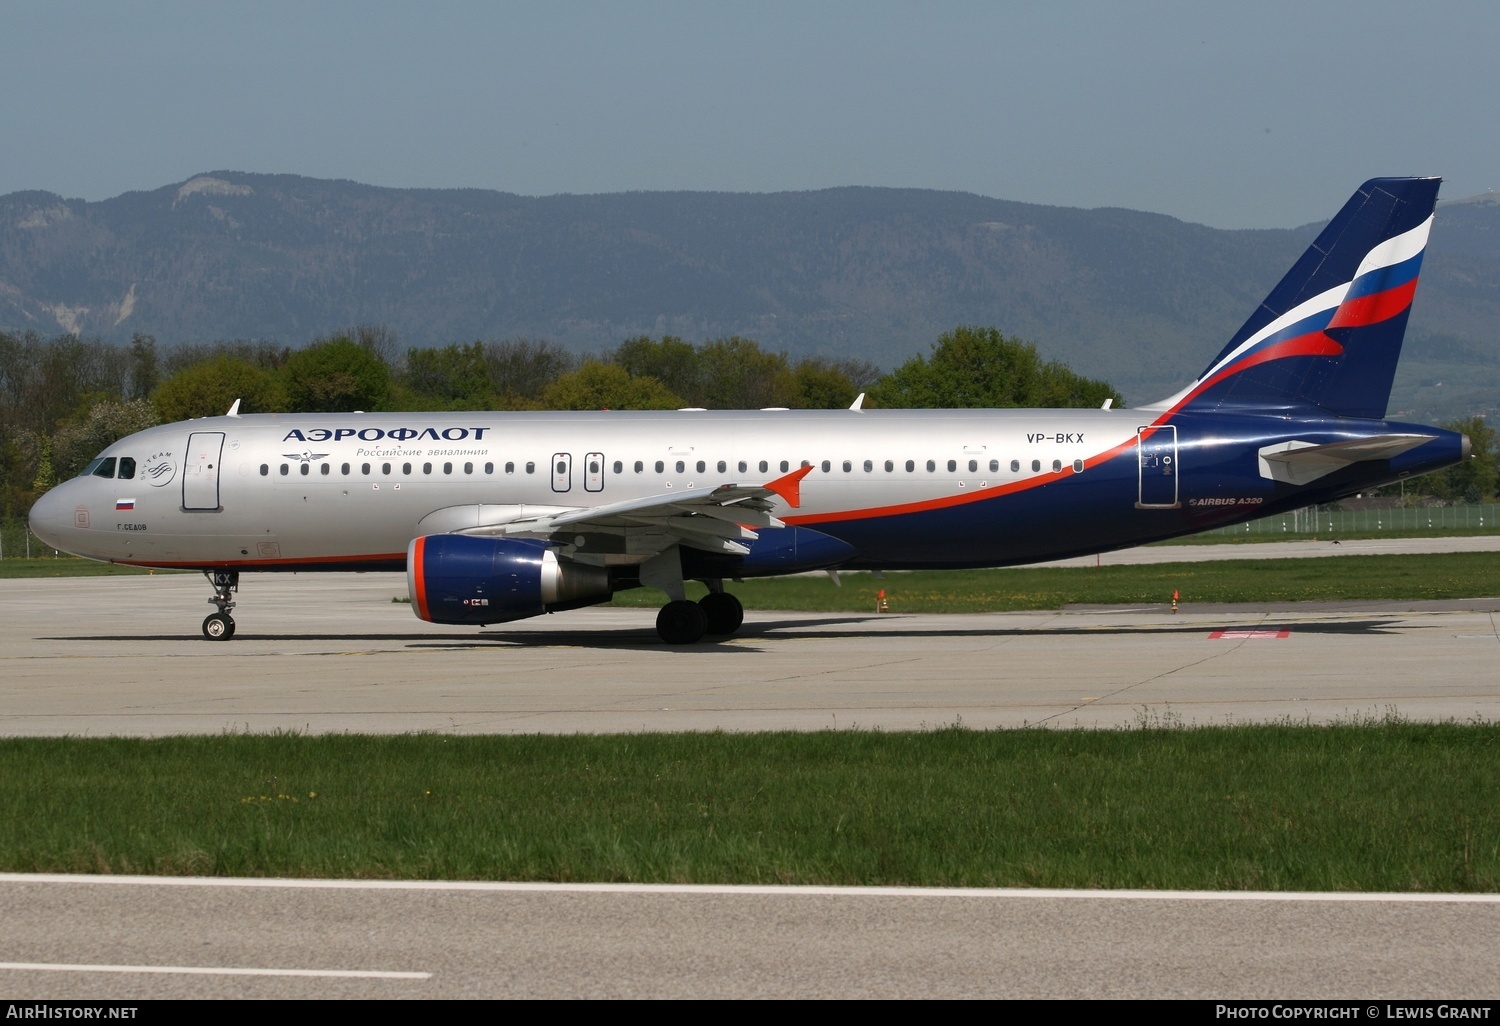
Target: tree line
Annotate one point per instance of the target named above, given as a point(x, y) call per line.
point(64, 399)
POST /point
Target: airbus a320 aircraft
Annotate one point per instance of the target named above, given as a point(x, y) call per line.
point(501, 516)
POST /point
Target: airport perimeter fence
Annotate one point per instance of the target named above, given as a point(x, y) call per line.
point(17, 542)
point(1320, 520)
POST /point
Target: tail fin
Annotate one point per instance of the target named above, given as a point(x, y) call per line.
point(1329, 335)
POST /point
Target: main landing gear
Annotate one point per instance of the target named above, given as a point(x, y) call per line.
point(220, 626)
point(717, 614)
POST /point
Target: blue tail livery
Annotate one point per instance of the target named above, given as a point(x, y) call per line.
point(502, 516)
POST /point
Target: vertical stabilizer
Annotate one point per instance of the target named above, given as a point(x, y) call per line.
point(1329, 334)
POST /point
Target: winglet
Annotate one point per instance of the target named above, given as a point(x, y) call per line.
point(234, 411)
point(789, 486)
point(858, 404)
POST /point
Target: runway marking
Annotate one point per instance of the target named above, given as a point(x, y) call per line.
point(208, 970)
point(1246, 633)
point(788, 890)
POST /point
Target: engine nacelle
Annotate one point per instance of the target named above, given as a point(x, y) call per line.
point(453, 578)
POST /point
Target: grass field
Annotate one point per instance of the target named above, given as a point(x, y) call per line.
point(1387, 806)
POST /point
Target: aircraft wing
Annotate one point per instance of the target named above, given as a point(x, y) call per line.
point(720, 519)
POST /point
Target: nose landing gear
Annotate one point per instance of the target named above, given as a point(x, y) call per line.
point(220, 626)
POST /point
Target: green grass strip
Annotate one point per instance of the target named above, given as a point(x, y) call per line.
point(1406, 577)
point(1389, 806)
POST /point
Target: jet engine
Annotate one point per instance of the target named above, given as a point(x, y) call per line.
point(453, 578)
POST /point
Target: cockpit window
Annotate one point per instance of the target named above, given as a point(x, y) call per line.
point(88, 471)
point(127, 468)
point(105, 468)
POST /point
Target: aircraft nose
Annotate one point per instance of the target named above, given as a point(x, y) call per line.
point(51, 517)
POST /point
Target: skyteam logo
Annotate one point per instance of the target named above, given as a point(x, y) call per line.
point(159, 469)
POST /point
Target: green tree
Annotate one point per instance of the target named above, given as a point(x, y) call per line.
point(336, 375)
point(75, 443)
point(208, 389)
point(980, 367)
point(521, 369)
point(669, 360)
point(737, 374)
point(453, 377)
point(608, 386)
point(1475, 479)
point(824, 384)
point(144, 375)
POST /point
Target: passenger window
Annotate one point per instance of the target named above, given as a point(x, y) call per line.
point(447, 468)
point(106, 467)
point(889, 466)
point(306, 469)
point(468, 468)
point(994, 466)
point(952, 466)
point(127, 468)
point(639, 466)
point(344, 470)
point(619, 467)
point(764, 467)
point(785, 466)
point(385, 468)
point(848, 466)
point(700, 466)
point(660, 466)
point(324, 468)
point(1015, 466)
point(531, 468)
point(489, 468)
point(869, 466)
point(911, 465)
point(510, 468)
point(973, 466)
point(364, 468)
point(744, 466)
point(427, 468)
point(265, 469)
point(681, 466)
point(1057, 466)
point(723, 467)
point(285, 470)
point(406, 469)
point(1036, 465)
point(826, 466)
point(1078, 466)
point(931, 466)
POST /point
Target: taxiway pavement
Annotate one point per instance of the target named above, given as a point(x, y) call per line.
point(319, 653)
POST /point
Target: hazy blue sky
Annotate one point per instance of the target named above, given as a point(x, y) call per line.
point(1235, 114)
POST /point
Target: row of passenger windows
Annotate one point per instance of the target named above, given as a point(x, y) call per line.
point(680, 466)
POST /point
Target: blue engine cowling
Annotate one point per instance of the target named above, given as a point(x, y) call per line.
point(453, 578)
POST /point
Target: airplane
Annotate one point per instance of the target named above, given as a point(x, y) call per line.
point(499, 516)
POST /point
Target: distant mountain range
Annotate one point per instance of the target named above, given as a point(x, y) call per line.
point(1142, 300)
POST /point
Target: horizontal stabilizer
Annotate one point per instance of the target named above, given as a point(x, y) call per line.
point(1298, 463)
